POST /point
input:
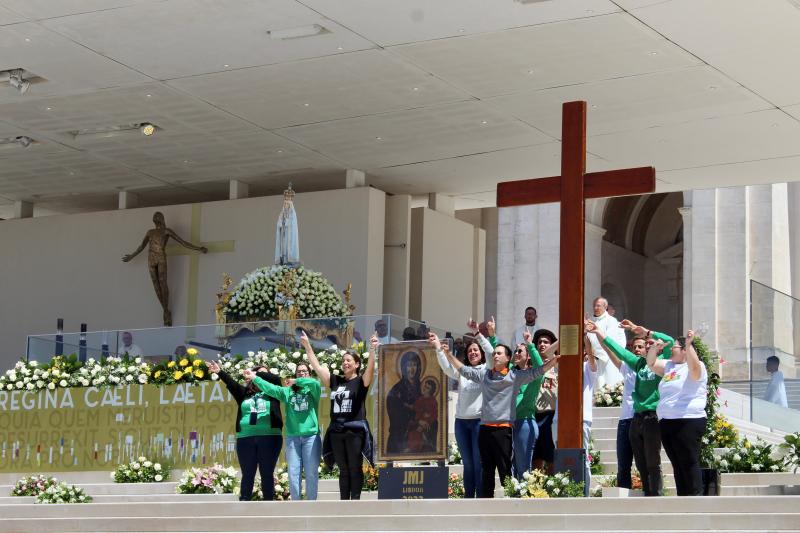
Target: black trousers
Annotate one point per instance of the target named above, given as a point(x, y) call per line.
point(258, 453)
point(347, 447)
point(645, 438)
point(682, 440)
point(495, 445)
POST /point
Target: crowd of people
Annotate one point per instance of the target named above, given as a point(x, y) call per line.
point(259, 424)
point(506, 412)
point(663, 400)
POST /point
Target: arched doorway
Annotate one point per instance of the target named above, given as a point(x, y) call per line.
point(642, 259)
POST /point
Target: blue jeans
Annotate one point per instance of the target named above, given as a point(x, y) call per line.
point(624, 453)
point(526, 431)
point(467, 440)
point(303, 455)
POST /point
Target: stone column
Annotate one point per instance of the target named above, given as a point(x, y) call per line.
point(701, 276)
point(686, 215)
point(127, 200)
point(793, 195)
point(23, 209)
point(733, 296)
point(238, 190)
point(527, 266)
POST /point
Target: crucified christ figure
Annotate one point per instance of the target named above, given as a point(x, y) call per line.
point(157, 259)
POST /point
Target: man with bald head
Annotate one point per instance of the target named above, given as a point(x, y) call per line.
point(607, 374)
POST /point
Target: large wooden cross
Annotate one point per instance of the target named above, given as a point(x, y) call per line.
point(572, 188)
point(193, 281)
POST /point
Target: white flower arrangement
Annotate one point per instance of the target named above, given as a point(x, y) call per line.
point(283, 362)
point(63, 493)
point(140, 471)
point(259, 293)
point(609, 396)
point(453, 453)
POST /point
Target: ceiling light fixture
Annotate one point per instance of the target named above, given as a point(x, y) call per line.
point(20, 140)
point(145, 128)
point(298, 33)
point(16, 81)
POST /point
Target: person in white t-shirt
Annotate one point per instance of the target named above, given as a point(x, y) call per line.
point(128, 348)
point(776, 390)
point(681, 410)
point(530, 326)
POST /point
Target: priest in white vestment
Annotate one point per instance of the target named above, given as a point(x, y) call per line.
point(607, 373)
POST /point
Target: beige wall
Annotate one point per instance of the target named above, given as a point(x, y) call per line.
point(447, 258)
point(397, 254)
point(69, 266)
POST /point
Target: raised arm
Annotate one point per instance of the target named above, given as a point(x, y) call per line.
point(553, 348)
point(270, 389)
point(323, 373)
point(692, 359)
point(128, 257)
point(591, 328)
point(653, 362)
point(441, 357)
point(641, 331)
point(531, 373)
point(186, 244)
point(373, 354)
point(234, 387)
point(536, 358)
point(591, 358)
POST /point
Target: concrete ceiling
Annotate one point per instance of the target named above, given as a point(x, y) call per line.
point(446, 96)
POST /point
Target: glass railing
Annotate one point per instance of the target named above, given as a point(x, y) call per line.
point(210, 340)
point(773, 388)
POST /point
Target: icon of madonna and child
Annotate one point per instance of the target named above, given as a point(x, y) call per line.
point(413, 406)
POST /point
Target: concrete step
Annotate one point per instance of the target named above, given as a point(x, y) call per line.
point(775, 513)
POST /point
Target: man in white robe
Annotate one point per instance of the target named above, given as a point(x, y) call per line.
point(607, 373)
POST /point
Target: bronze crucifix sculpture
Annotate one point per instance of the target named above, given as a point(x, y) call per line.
point(157, 259)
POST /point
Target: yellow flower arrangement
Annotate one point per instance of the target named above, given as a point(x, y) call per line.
point(177, 375)
point(192, 351)
point(199, 374)
point(184, 362)
point(171, 364)
point(197, 362)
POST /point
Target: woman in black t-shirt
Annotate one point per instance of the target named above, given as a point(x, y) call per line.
point(348, 429)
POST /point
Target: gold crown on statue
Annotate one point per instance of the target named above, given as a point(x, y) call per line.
point(288, 194)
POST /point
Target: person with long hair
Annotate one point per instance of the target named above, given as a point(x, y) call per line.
point(468, 406)
point(348, 437)
point(499, 388)
point(682, 410)
point(303, 444)
point(526, 430)
point(258, 429)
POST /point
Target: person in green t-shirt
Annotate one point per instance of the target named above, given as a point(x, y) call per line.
point(644, 432)
point(258, 430)
point(303, 443)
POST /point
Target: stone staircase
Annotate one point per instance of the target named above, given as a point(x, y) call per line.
point(750, 502)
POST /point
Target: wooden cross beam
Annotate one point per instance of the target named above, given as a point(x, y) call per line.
point(572, 188)
point(194, 260)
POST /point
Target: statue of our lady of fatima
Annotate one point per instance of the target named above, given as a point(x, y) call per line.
point(287, 241)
